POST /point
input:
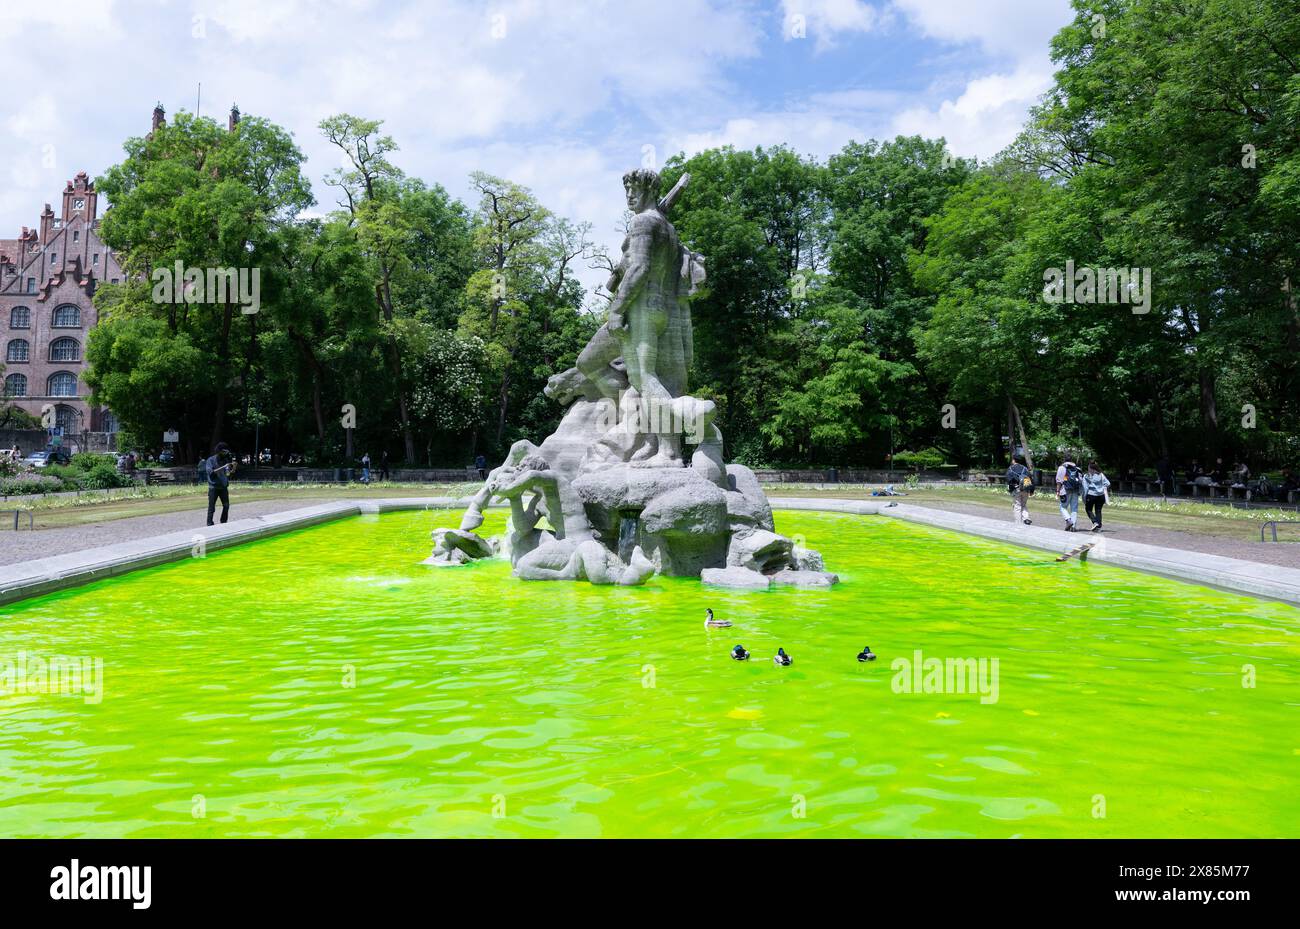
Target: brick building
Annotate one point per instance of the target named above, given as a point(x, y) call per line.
point(47, 278)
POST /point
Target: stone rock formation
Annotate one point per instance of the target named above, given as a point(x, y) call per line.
point(620, 497)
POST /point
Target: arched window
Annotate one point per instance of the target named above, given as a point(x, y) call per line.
point(67, 317)
point(20, 318)
point(18, 350)
point(16, 385)
point(66, 418)
point(62, 384)
point(65, 349)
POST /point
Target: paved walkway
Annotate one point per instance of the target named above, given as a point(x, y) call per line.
point(22, 545)
point(1045, 514)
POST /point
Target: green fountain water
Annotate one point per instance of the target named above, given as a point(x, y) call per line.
point(322, 683)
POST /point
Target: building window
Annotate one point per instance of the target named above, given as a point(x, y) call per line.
point(20, 318)
point(76, 235)
point(54, 258)
point(62, 384)
point(16, 385)
point(18, 350)
point(67, 317)
point(94, 259)
point(66, 418)
point(31, 285)
point(65, 350)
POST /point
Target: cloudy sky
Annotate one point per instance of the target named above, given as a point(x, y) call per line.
point(562, 96)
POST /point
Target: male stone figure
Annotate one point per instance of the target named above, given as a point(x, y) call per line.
point(649, 326)
point(619, 502)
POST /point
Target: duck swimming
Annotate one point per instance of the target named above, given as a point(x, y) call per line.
point(781, 659)
point(711, 623)
point(739, 653)
point(866, 654)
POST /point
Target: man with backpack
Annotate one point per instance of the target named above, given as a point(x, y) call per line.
point(1069, 485)
point(1020, 484)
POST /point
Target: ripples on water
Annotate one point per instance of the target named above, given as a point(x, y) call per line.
point(323, 683)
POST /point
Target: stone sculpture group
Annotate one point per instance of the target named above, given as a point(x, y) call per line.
point(619, 500)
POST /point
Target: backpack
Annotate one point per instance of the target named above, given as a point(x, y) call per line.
point(1019, 480)
point(1073, 480)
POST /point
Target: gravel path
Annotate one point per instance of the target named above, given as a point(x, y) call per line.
point(25, 546)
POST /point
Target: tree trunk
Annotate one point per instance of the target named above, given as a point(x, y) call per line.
point(1209, 411)
point(1162, 438)
point(223, 374)
point(1020, 430)
point(316, 377)
point(385, 295)
point(504, 403)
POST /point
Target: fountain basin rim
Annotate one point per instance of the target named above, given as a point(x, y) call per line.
point(58, 572)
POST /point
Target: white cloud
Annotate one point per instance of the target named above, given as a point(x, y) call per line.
point(1019, 28)
point(811, 132)
point(985, 118)
point(991, 108)
point(823, 20)
point(561, 96)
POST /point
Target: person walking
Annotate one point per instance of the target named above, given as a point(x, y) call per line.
point(1165, 472)
point(481, 463)
point(1096, 494)
point(1020, 484)
point(365, 468)
point(1069, 484)
point(383, 465)
point(218, 469)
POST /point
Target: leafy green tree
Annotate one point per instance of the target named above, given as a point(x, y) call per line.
point(194, 193)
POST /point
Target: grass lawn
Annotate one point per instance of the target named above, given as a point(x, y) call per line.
point(1147, 512)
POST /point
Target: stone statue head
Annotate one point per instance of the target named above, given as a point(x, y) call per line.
point(642, 188)
point(570, 385)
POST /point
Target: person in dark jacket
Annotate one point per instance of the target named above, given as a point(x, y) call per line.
point(1020, 486)
point(1165, 472)
point(218, 469)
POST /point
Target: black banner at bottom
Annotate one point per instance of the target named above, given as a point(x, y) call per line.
point(146, 878)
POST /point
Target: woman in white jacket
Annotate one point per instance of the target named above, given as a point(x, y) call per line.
point(1096, 494)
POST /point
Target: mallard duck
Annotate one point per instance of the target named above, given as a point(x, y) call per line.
point(711, 623)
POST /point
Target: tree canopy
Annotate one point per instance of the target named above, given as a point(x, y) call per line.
point(886, 303)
